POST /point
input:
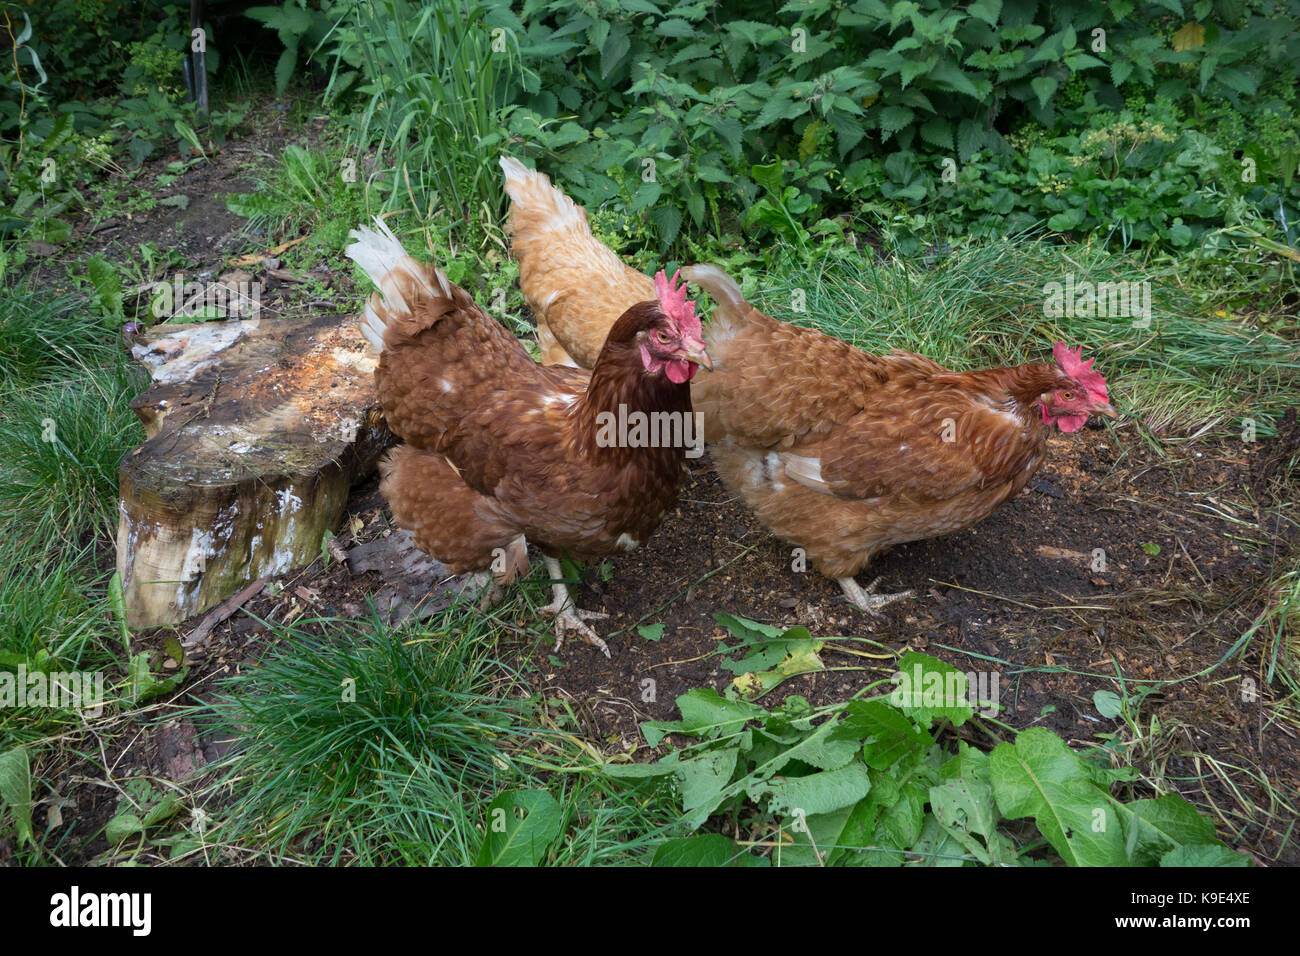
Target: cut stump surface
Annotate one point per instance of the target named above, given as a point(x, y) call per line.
point(256, 431)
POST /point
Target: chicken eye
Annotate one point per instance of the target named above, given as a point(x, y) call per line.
point(1067, 396)
point(663, 337)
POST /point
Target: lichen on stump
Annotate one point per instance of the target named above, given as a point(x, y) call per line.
point(256, 431)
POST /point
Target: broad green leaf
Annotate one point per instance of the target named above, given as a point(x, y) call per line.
point(887, 732)
point(705, 849)
point(1108, 703)
point(820, 792)
point(1204, 855)
point(515, 840)
point(16, 790)
point(1155, 826)
point(122, 827)
point(965, 808)
point(931, 690)
point(1039, 776)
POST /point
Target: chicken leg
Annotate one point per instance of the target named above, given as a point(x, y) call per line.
point(567, 617)
point(866, 599)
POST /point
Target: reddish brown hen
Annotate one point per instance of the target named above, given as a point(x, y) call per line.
point(499, 451)
point(844, 453)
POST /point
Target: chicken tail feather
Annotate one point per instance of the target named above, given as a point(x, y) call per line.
point(535, 205)
point(399, 278)
point(716, 283)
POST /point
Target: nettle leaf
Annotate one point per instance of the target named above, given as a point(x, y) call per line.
point(849, 131)
point(970, 137)
point(520, 827)
point(1044, 87)
point(949, 74)
point(675, 28)
point(894, 118)
point(705, 849)
point(938, 131)
point(614, 49)
point(1039, 776)
point(647, 195)
point(731, 133)
point(695, 206)
point(667, 220)
point(986, 10)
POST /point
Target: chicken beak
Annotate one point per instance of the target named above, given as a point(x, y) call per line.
point(695, 353)
point(1106, 411)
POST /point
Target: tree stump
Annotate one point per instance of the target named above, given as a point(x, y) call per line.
point(256, 431)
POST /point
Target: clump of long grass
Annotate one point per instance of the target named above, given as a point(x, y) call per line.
point(60, 444)
point(436, 90)
point(360, 742)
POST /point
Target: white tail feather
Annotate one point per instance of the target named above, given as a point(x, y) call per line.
point(380, 254)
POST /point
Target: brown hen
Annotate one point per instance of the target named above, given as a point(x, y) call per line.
point(844, 453)
point(500, 451)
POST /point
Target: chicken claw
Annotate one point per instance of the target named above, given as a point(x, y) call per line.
point(866, 599)
point(567, 617)
point(490, 593)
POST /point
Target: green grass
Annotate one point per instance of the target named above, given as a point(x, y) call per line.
point(436, 93)
point(60, 444)
point(405, 771)
point(44, 336)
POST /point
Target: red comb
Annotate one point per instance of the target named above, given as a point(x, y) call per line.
point(672, 299)
point(1072, 364)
